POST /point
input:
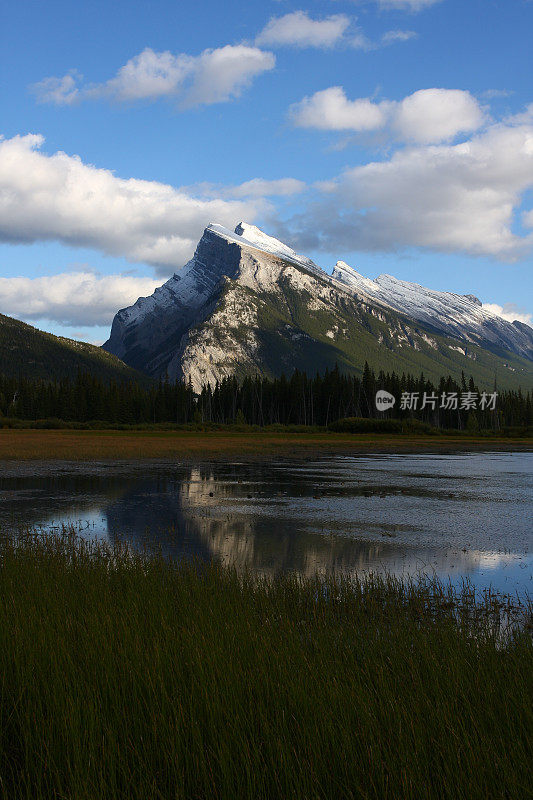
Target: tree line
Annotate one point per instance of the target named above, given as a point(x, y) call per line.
point(296, 400)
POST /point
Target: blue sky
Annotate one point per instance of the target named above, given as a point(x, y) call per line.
point(396, 135)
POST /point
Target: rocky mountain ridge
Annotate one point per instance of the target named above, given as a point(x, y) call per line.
point(458, 315)
point(248, 303)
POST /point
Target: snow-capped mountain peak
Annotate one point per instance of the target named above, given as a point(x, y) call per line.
point(247, 303)
point(348, 276)
point(457, 315)
point(474, 299)
point(251, 236)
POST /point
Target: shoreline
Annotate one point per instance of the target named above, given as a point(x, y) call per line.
point(187, 446)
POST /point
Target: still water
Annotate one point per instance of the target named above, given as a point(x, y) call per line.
point(457, 516)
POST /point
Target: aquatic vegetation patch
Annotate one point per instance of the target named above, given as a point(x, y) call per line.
point(127, 675)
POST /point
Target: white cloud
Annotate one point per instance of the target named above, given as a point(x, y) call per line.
point(58, 197)
point(451, 198)
point(389, 37)
point(359, 41)
point(58, 91)
point(527, 219)
point(510, 312)
point(148, 75)
point(215, 76)
point(297, 29)
point(426, 116)
point(407, 5)
point(495, 94)
point(72, 298)
point(435, 115)
point(330, 109)
point(220, 75)
point(259, 187)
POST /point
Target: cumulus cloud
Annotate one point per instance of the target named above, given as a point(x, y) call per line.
point(148, 75)
point(435, 115)
point(510, 312)
point(223, 74)
point(426, 116)
point(330, 109)
point(215, 76)
point(72, 298)
point(297, 29)
point(451, 198)
point(58, 197)
point(58, 91)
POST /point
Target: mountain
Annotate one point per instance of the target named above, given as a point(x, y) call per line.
point(247, 303)
point(28, 352)
point(462, 316)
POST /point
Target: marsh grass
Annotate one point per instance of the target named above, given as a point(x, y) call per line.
point(125, 675)
point(94, 445)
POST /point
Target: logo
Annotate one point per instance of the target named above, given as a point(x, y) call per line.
point(384, 400)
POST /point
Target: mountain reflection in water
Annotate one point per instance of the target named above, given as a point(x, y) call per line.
point(454, 515)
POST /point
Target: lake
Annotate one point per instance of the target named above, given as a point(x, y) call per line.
point(462, 516)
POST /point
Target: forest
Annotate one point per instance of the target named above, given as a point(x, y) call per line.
point(318, 400)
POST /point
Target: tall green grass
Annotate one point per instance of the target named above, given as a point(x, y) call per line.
point(125, 675)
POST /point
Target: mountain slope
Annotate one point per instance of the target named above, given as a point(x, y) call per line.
point(457, 315)
point(246, 304)
point(31, 353)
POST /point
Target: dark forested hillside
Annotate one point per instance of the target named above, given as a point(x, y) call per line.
point(30, 353)
point(294, 400)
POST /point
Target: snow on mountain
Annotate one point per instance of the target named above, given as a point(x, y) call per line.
point(154, 332)
point(247, 303)
point(196, 280)
point(251, 236)
point(461, 316)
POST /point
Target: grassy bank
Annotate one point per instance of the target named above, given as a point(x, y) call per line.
point(128, 677)
point(179, 444)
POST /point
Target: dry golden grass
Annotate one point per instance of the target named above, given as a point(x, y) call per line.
point(128, 445)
